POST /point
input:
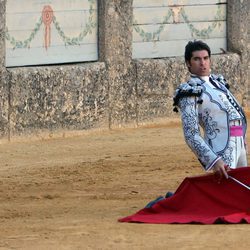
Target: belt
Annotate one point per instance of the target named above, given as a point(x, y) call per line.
point(236, 130)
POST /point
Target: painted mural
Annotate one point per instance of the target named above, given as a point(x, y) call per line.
point(48, 32)
point(42, 32)
point(163, 27)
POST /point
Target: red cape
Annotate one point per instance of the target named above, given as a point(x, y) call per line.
point(202, 200)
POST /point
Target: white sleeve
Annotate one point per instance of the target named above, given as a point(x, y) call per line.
point(191, 130)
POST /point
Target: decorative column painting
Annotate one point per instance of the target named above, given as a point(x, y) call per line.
point(41, 32)
point(161, 28)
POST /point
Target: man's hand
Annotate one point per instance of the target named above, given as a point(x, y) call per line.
point(220, 170)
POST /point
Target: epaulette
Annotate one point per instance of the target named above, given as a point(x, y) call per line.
point(220, 79)
point(190, 88)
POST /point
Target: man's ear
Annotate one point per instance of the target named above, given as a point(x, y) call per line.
point(188, 64)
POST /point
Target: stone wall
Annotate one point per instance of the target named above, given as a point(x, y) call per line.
point(116, 91)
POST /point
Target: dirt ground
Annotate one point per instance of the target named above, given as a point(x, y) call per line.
point(68, 192)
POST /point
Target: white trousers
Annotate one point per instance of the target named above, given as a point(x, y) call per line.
point(238, 155)
point(235, 156)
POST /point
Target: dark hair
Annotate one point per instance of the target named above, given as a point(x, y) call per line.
point(194, 46)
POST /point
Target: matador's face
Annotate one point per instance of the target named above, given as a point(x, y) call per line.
point(199, 63)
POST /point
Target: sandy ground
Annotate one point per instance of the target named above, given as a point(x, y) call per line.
point(67, 193)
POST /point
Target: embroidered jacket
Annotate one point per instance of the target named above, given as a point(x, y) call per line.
point(212, 108)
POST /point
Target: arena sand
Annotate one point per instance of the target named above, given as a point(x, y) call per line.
point(67, 193)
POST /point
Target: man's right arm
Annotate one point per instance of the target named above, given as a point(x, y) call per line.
point(189, 114)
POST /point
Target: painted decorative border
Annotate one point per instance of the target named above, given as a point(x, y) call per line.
point(175, 12)
point(48, 17)
point(152, 36)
